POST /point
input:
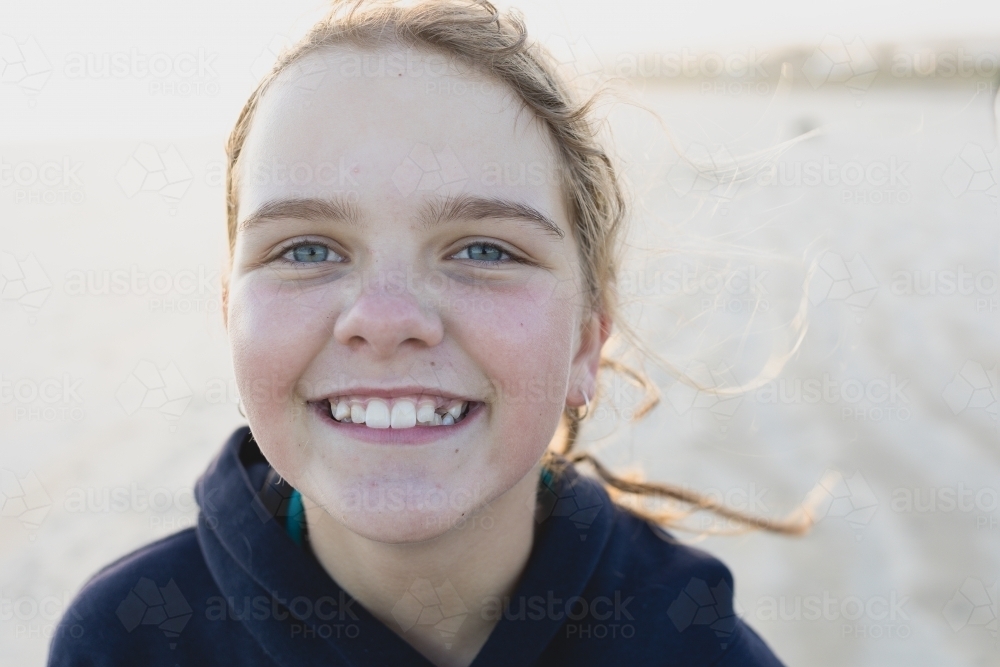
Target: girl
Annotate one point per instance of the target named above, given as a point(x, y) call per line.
point(410, 328)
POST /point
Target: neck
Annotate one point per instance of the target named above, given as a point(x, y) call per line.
point(463, 570)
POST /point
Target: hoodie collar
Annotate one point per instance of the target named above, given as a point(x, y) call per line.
point(309, 617)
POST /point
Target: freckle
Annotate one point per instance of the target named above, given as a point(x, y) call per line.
point(456, 451)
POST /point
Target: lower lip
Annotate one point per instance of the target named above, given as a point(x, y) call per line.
point(417, 435)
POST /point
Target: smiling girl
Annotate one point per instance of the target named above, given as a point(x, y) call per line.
point(409, 333)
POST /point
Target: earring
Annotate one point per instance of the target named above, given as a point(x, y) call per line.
point(239, 406)
point(586, 410)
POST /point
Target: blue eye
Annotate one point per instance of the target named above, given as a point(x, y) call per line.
point(310, 253)
point(483, 252)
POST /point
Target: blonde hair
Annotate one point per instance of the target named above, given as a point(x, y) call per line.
point(497, 45)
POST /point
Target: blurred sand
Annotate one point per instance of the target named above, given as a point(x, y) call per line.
point(935, 435)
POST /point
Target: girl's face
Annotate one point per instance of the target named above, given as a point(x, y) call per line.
point(406, 307)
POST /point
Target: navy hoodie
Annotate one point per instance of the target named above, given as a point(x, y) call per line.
point(601, 587)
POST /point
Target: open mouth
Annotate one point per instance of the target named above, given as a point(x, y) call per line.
point(398, 413)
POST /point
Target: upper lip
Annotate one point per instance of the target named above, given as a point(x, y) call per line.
point(393, 392)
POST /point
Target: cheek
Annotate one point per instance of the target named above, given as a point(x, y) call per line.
point(523, 340)
point(528, 338)
point(274, 335)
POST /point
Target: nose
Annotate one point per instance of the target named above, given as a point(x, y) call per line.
point(382, 323)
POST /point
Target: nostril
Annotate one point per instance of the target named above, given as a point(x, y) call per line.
point(385, 323)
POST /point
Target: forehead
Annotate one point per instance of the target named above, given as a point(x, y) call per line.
point(406, 123)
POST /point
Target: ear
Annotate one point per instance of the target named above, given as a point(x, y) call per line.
point(594, 332)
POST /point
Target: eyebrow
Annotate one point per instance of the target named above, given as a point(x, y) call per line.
point(448, 209)
point(468, 207)
point(330, 208)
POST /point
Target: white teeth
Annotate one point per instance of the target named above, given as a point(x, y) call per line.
point(425, 411)
point(377, 414)
point(404, 414)
point(397, 413)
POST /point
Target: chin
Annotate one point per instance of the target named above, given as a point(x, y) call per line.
point(403, 527)
point(404, 510)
